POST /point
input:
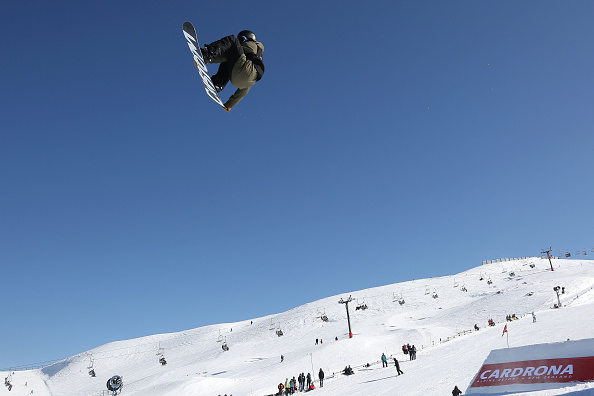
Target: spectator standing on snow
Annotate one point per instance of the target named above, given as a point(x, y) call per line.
point(533, 317)
point(308, 380)
point(414, 352)
point(384, 360)
point(456, 391)
point(302, 381)
point(280, 388)
point(405, 349)
point(321, 377)
point(398, 367)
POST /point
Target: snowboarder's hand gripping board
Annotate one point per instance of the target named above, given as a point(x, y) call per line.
point(192, 39)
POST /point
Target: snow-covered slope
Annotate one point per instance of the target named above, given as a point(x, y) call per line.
point(449, 351)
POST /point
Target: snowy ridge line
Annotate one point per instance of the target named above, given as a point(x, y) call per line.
point(212, 334)
point(204, 339)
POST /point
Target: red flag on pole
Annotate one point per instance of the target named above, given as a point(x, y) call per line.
point(504, 330)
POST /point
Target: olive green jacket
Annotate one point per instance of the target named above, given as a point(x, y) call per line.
point(244, 74)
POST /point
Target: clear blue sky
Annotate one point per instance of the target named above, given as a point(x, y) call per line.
point(387, 141)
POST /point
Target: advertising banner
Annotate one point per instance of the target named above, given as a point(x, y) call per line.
point(535, 367)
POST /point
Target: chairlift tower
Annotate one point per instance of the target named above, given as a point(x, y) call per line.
point(548, 252)
point(346, 303)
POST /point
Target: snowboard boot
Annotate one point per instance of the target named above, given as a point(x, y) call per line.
point(218, 86)
point(206, 55)
point(219, 81)
point(211, 52)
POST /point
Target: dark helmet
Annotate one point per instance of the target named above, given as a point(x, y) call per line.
point(246, 35)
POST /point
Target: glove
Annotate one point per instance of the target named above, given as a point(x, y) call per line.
point(226, 108)
point(195, 64)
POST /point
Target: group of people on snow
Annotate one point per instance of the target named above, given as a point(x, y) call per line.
point(511, 317)
point(409, 350)
point(301, 384)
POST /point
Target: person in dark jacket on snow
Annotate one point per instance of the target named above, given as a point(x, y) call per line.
point(398, 367)
point(456, 391)
point(240, 61)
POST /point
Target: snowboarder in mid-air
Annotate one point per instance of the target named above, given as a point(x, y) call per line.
point(240, 61)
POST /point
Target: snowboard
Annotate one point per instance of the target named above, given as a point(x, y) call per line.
point(192, 39)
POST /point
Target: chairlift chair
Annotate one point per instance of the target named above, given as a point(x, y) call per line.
point(399, 299)
point(322, 314)
point(90, 368)
point(361, 306)
point(279, 332)
point(161, 355)
point(489, 282)
point(224, 345)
